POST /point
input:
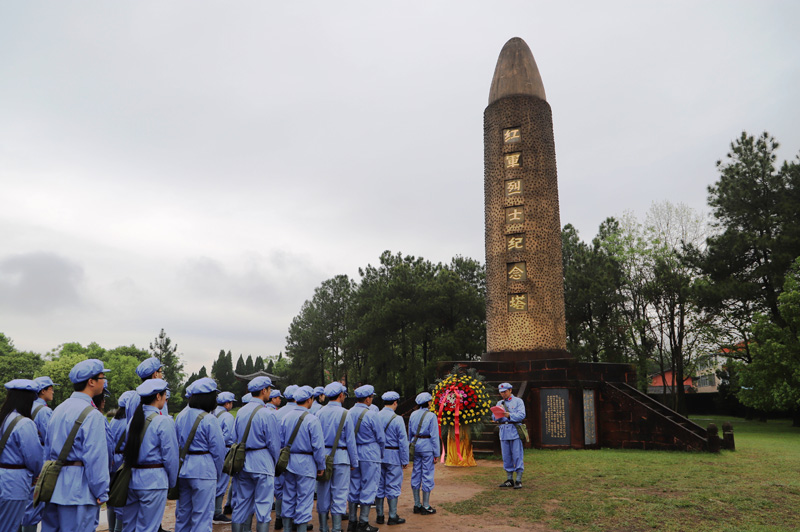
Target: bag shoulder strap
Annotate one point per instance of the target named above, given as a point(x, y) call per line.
point(339, 432)
point(36, 411)
point(219, 413)
point(121, 442)
point(296, 429)
point(358, 425)
point(62, 457)
point(9, 430)
point(144, 429)
point(419, 427)
point(191, 436)
point(390, 422)
point(250, 422)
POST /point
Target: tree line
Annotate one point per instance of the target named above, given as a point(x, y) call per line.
point(664, 293)
point(122, 362)
point(392, 327)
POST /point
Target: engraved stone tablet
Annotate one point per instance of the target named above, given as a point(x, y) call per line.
point(514, 188)
point(515, 242)
point(589, 419)
point(513, 160)
point(515, 215)
point(517, 302)
point(517, 271)
point(555, 416)
point(511, 135)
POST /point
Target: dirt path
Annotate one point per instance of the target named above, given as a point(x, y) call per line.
point(450, 487)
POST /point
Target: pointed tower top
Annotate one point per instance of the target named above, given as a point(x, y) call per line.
point(516, 73)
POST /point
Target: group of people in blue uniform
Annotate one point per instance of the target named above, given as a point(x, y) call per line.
point(368, 451)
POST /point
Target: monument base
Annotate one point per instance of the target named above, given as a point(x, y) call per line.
point(583, 405)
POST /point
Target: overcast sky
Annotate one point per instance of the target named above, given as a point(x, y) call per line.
point(203, 166)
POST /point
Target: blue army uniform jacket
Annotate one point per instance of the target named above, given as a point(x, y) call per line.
point(308, 448)
point(23, 448)
point(208, 441)
point(329, 417)
point(370, 438)
point(396, 447)
point(428, 441)
point(85, 484)
point(159, 446)
point(42, 418)
point(117, 428)
point(516, 410)
point(226, 422)
point(263, 442)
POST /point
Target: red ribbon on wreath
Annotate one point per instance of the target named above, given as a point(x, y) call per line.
point(453, 388)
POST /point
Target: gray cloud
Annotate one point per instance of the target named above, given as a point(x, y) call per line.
point(39, 283)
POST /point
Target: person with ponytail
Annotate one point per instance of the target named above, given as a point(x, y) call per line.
point(21, 453)
point(40, 414)
point(151, 450)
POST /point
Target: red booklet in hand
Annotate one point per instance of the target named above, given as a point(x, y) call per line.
point(498, 412)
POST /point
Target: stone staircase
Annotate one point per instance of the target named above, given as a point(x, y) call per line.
point(648, 424)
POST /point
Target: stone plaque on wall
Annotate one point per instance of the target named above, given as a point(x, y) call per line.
point(555, 416)
point(513, 188)
point(511, 135)
point(589, 419)
point(517, 302)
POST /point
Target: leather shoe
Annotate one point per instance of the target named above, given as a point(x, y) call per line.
point(395, 520)
point(379, 519)
point(427, 510)
point(417, 509)
point(518, 485)
point(507, 484)
point(366, 527)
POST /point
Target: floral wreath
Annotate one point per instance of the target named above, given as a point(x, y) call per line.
point(460, 401)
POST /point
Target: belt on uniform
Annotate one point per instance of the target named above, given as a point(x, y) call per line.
point(256, 448)
point(198, 452)
point(149, 466)
point(340, 447)
point(392, 448)
point(302, 452)
point(421, 436)
point(74, 463)
point(12, 466)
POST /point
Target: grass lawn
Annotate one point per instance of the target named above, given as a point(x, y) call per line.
point(756, 487)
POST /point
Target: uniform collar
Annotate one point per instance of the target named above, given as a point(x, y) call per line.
point(360, 405)
point(334, 404)
point(257, 400)
point(40, 401)
point(150, 408)
point(82, 396)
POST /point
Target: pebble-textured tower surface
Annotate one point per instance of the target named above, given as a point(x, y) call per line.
point(525, 287)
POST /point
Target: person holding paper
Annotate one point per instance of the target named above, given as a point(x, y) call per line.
point(510, 442)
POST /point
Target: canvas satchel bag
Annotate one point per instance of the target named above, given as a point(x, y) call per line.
point(121, 478)
point(234, 459)
point(326, 476)
point(413, 445)
point(286, 452)
point(174, 492)
point(48, 477)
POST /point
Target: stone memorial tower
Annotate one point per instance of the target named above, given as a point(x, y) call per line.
point(524, 280)
point(570, 404)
